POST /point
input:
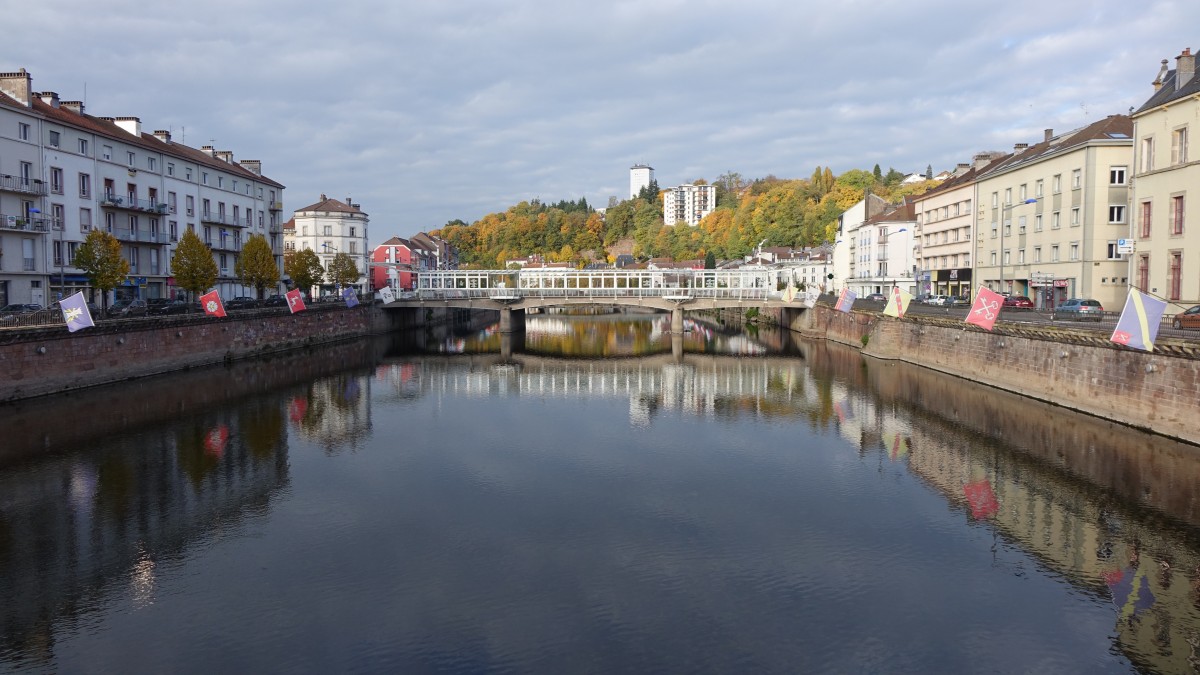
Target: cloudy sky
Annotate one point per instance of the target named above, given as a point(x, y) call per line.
point(424, 112)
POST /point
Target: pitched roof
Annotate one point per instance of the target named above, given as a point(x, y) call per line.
point(1114, 129)
point(330, 205)
point(1167, 92)
point(290, 224)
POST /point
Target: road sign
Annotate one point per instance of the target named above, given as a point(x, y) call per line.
point(1126, 246)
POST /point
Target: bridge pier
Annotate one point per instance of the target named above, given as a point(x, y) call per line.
point(677, 320)
point(512, 320)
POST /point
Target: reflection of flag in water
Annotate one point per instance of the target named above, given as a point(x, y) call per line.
point(846, 300)
point(75, 312)
point(897, 447)
point(981, 498)
point(351, 391)
point(295, 301)
point(1138, 325)
point(211, 302)
point(350, 297)
point(215, 440)
point(986, 308)
point(897, 303)
point(844, 410)
point(1130, 590)
point(297, 408)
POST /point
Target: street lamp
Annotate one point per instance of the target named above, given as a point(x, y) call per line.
point(1003, 209)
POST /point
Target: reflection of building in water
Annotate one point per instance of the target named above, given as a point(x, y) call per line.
point(334, 412)
point(73, 526)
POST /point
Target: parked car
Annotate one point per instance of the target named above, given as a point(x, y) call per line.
point(1017, 301)
point(174, 307)
point(241, 302)
point(876, 297)
point(275, 301)
point(1188, 318)
point(922, 299)
point(18, 308)
point(1080, 309)
point(127, 308)
point(939, 300)
point(153, 303)
point(958, 301)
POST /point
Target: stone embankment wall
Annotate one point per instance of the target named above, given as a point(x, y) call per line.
point(1158, 391)
point(42, 361)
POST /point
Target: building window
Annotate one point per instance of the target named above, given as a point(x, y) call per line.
point(173, 230)
point(328, 230)
point(1145, 220)
point(1076, 179)
point(53, 138)
point(85, 219)
point(354, 247)
point(1143, 282)
point(187, 173)
point(993, 258)
point(1054, 253)
point(72, 248)
point(1147, 154)
point(1179, 146)
point(22, 131)
point(1037, 254)
point(1116, 175)
point(58, 253)
point(133, 259)
point(1175, 275)
point(1074, 250)
point(170, 168)
point(85, 186)
point(190, 203)
point(1177, 214)
point(58, 215)
point(1054, 221)
point(1057, 185)
point(83, 147)
point(995, 199)
point(151, 163)
point(107, 152)
point(56, 180)
point(1037, 223)
point(1007, 196)
point(1116, 213)
point(204, 177)
point(220, 181)
point(1075, 217)
point(132, 159)
point(1112, 253)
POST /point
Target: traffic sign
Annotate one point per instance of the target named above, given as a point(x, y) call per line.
point(1126, 246)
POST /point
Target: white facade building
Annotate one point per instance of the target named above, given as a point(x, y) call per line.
point(76, 172)
point(884, 252)
point(688, 204)
point(640, 176)
point(327, 228)
point(845, 246)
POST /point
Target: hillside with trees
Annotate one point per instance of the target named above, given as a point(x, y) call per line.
point(784, 212)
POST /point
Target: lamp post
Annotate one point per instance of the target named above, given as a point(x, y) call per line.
point(1004, 209)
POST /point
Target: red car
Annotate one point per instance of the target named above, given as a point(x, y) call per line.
point(1017, 301)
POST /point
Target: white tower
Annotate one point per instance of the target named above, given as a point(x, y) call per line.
point(640, 176)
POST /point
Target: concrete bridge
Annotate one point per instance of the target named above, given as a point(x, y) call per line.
point(513, 292)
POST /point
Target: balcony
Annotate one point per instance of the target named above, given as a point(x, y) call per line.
point(139, 236)
point(24, 224)
point(276, 206)
point(26, 186)
point(225, 244)
point(130, 204)
point(224, 219)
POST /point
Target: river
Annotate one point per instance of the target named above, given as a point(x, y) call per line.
point(594, 495)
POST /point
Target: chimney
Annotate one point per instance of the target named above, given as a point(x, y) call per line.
point(224, 155)
point(18, 85)
point(323, 197)
point(208, 150)
point(981, 160)
point(1049, 135)
point(74, 106)
point(132, 125)
point(50, 98)
point(1162, 76)
point(1185, 68)
point(162, 135)
point(254, 166)
point(1018, 148)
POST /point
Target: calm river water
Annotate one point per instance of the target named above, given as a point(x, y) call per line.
point(591, 496)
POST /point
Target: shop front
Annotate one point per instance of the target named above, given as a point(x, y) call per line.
point(955, 282)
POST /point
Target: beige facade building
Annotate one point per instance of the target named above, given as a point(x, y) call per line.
point(1049, 217)
point(945, 219)
point(1165, 216)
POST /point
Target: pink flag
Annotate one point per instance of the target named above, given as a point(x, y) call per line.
point(211, 302)
point(985, 309)
point(295, 301)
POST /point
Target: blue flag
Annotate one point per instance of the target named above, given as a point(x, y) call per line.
point(75, 312)
point(846, 300)
point(350, 297)
point(1138, 325)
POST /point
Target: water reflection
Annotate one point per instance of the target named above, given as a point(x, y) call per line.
point(110, 512)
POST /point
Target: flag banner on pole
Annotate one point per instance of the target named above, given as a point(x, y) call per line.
point(211, 302)
point(350, 297)
point(810, 297)
point(897, 302)
point(846, 300)
point(295, 301)
point(789, 293)
point(75, 312)
point(1138, 325)
point(387, 295)
point(986, 308)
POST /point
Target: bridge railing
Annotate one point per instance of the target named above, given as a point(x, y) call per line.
point(564, 283)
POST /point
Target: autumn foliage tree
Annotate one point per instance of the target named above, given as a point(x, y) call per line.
point(100, 259)
point(342, 271)
point(304, 268)
point(256, 266)
point(193, 265)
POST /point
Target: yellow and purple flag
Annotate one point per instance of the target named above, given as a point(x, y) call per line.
point(897, 303)
point(1138, 325)
point(846, 300)
point(75, 312)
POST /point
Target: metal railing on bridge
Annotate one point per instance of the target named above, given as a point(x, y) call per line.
point(744, 284)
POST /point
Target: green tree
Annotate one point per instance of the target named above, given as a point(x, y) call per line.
point(878, 173)
point(100, 259)
point(256, 266)
point(193, 264)
point(304, 268)
point(342, 271)
point(710, 261)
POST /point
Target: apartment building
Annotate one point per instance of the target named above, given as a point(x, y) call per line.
point(640, 177)
point(1049, 217)
point(884, 251)
point(688, 204)
point(328, 227)
point(845, 257)
point(1164, 170)
point(67, 172)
